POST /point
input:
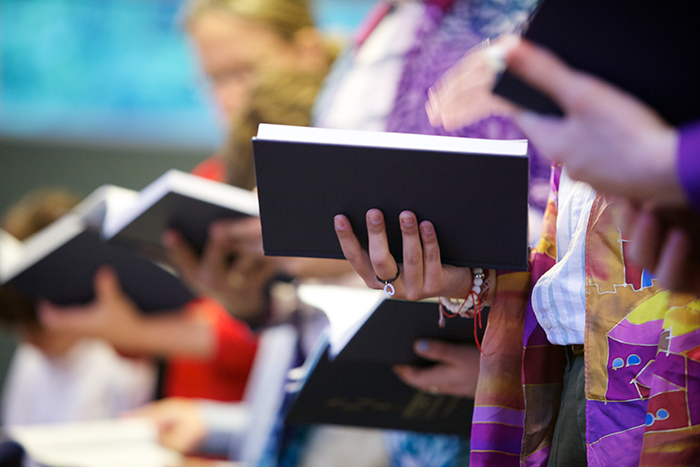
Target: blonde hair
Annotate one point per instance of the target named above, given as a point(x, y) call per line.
point(286, 17)
point(37, 210)
point(284, 98)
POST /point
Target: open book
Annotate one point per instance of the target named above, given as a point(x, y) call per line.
point(101, 443)
point(349, 379)
point(177, 200)
point(475, 191)
point(59, 262)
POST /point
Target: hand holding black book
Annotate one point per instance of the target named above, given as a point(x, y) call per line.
point(349, 380)
point(306, 176)
point(59, 262)
point(622, 73)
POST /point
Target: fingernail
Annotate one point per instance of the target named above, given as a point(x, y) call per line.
point(431, 112)
point(422, 346)
point(407, 220)
point(426, 228)
point(495, 55)
point(434, 99)
point(374, 217)
point(338, 222)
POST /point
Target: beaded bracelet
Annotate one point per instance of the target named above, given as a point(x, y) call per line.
point(471, 305)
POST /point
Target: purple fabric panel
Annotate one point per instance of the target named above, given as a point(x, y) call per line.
point(531, 325)
point(486, 436)
point(640, 334)
point(494, 458)
point(671, 367)
point(625, 362)
point(694, 388)
point(645, 378)
point(533, 334)
point(682, 343)
point(688, 163)
point(538, 458)
point(616, 418)
point(660, 385)
point(623, 450)
point(487, 413)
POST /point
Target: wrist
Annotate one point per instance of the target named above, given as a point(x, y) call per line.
point(475, 298)
point(128, 336)
point(663, 184)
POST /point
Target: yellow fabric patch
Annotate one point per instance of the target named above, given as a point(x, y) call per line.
point(652, 309)
point(683, 320)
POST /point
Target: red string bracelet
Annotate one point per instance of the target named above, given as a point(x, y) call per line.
point(472, 304)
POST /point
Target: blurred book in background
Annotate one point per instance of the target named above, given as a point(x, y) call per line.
point(123, 442)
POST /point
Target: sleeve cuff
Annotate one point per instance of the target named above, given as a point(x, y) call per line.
point(688, 163)
point(226, 424)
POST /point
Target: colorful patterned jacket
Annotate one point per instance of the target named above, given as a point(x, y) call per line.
point(642, 361)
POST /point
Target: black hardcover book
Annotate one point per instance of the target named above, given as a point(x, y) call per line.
point(474, 191)
point(59, 263)
point(357, 387)
point(647, 48)
point(178, 200)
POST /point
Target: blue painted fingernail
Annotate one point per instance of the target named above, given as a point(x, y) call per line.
point(422, 346)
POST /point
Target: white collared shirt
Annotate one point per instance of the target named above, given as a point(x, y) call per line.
point(559, 296)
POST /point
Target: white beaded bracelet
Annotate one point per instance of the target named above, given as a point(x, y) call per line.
point(465, 307)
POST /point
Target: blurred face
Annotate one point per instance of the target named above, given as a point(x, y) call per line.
point(231, 51)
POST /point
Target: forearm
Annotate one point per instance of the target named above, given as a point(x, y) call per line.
point(170, 335)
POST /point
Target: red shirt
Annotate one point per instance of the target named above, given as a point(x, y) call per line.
point(224, 376)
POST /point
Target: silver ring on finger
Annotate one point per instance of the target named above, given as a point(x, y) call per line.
point(388, 286)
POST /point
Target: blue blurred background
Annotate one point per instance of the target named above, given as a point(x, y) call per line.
point(113, 70)
point(107, 91)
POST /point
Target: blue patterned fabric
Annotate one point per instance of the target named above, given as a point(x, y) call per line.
point(420, 450)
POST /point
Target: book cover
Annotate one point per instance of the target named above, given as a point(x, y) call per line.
point(9, 248)
point(645, 47)
point(59, 262)
point(107, 198)
point(474, 191)
point(178, 200)
point(354, 384)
